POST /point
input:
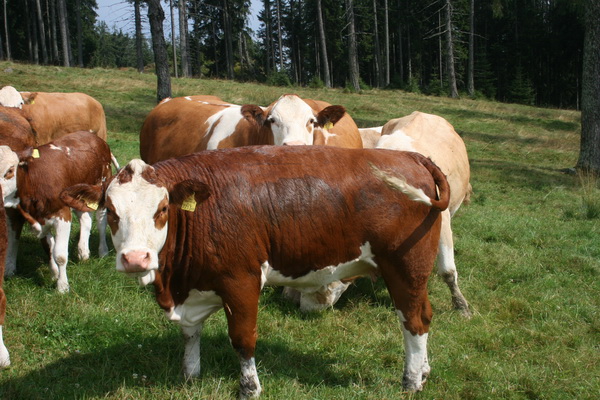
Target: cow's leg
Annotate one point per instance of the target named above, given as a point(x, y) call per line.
point(408, 289)
point(446, 267)
point(191, 354)
point(101, 222)
point(4, 357)
point(60, 250)
point(242, 313)
point(85, 228)
point(14, 224)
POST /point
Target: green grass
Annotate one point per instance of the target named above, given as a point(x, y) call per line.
point(527, 250)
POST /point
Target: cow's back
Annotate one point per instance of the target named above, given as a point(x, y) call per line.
point(300, 209)
point(185, 125)
point(79, 157)
point(343, 134)
point(54, 115)
point(436, 138)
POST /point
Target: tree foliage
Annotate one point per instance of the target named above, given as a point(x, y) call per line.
point(523, 51)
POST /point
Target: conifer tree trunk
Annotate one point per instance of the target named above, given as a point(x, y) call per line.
point(268, 37)
point(323, 46)
point(42, 31)
point(228, 39)
point(54, 34)
point(589, 153)
point(378, 74)
point(64, 34)
point(279, 38)
point(138, 36)
point(352, 48)
point(173, 45)
point(183, 39)
point(471, 66)
point(156, 16)
point(79, 34)
point(387, 44)
point(450, 51)
point(6, 37)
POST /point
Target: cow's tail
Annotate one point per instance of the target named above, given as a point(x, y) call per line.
point(398, 182)
point(115, 163)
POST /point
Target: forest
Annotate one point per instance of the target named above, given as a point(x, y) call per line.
point(521, 51)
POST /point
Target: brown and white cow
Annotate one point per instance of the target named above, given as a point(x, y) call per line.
point(40, 175)
point(15, 135)
point(4, 356)
point(53, 115)
point(434, 137)
point(210, 229)
point(185, 125)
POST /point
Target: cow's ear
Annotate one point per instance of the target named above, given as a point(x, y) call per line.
point(83, 197)
point(30, 99)
point(330, 115)
point(188, 191)
point(253, 113)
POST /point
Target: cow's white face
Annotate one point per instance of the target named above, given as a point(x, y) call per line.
point(9, 162)
point(137, 213)
point(292, 121)
point(10, 97)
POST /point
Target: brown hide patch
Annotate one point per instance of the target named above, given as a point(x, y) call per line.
point(161, 216)
point(112, 218)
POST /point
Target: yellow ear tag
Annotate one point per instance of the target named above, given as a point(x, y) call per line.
point(35, 153)
point(328, 126)
point(92, 205)
point(189, 204)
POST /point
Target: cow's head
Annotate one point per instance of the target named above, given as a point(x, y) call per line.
point(9, 162)
point(292, 120)
point(10, 97)
point(138, 202)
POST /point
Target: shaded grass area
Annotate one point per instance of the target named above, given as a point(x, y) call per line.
point(527, 251)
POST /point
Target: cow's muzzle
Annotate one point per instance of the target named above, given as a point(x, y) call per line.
point(136, 261)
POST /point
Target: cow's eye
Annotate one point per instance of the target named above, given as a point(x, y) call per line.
point(10, 173)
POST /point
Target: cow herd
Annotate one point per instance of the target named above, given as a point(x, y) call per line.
point(229, 198)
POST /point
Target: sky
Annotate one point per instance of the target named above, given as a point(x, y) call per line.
point(119, 14)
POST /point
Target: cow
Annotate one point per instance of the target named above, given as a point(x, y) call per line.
point(53, 115)
point(4, 356)
point(370, 136)
point(210, 229)
point(434, 137)
point(40, 175)
point(10, 97)
point(185, 125)
point(16, 135)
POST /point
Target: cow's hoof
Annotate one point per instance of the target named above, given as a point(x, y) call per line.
point(62, 287)
point(249, 388)
point(4, 357)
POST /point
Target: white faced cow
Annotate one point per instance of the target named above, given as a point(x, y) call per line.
point(210, 229)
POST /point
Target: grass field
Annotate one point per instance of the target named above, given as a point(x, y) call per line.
point(527, 251)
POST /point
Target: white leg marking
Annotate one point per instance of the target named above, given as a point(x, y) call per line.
point(249, 383)
point(60, 253)
point(101, 221)
point(416, 365)
point(85, 227)
point(446, 266)
point(4, 357)
point(191, 354)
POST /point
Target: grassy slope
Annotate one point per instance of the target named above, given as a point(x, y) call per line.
point(527, 250)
